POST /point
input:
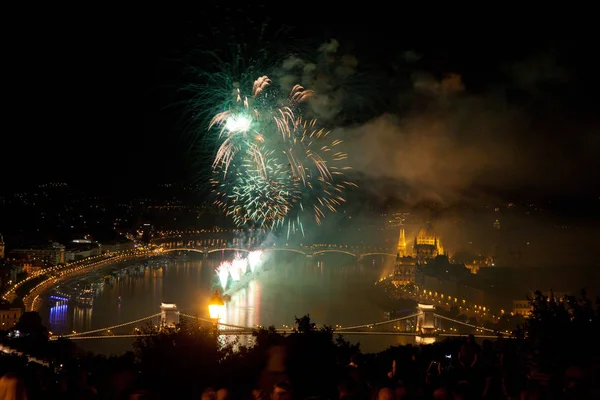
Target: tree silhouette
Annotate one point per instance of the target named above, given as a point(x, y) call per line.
point(189, 354)
point(265, 338)
point(313, 358)
point(560, 331)
point(30, 324)
point(18, 303)
point(33, 335)
point(508, 322)
point(304, 324)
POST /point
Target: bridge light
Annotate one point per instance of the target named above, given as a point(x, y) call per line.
point(216, 307)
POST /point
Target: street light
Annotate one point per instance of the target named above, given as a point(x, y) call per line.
point(216, 307)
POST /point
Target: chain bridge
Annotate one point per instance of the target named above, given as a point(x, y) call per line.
point(425, 325)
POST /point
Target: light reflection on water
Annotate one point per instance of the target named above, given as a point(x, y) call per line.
point(333, 291)
point(244, 307)
point(82, 319)
point(58, 316)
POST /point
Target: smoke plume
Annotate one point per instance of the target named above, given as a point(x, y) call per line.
point(449, 142)
point(331, 73)
point(441, 137)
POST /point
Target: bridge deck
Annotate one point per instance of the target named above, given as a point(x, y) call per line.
point(306, 251)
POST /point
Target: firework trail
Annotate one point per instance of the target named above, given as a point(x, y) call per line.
point(254, 259)
point(223, 273)
point(239, 267)
point(234, 271)
point(240, 264)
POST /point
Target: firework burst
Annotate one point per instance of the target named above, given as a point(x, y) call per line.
point(271, 165)
point(234, 271)
point(252, 120)
point(258, 190)
point(254, 259)
point(321, 167)
point(241, 264)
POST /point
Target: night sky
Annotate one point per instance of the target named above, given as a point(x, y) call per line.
point(491, 102)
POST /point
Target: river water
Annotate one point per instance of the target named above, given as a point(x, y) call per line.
point(334, 290)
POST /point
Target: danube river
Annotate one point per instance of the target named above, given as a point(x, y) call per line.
point(334, 291)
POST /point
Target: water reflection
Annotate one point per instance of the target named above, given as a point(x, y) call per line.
point(243, 310)
point(244, 307)
point(82, 319)
point(58, 316)
point(333, 290)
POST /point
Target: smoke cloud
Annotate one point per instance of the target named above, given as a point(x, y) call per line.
point(440, 137)
point(437, 155)
point(453, 144)
point(331, 73)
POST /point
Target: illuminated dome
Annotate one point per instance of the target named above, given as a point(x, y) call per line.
point(427, 244)
point(427, 236)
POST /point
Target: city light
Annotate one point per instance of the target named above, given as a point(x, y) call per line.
point(216, 307)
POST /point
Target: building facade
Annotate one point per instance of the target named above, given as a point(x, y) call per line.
point(52, 254)
point(9, 272)
point(9, 316)
point(524, 307)
point(404, 271)
point(31, 268)
point(80, 251)
point(404, 267)
point(427, 245)
point(116, 246)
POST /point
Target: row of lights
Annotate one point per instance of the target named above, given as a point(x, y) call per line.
point(220, 242)
point(70, 269)
point(476, 308)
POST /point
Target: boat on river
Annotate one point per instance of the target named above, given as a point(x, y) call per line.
point(85, 298)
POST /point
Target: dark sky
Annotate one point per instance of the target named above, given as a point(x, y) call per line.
point(92, 94)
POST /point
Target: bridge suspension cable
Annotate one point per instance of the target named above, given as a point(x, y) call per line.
point(243, 330)
point(112, 336)
point(284, 330)
point(218, 323)
point(391, 321)
point(471, 325)
point(74, 335)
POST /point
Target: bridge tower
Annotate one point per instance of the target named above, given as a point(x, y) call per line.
point(169, 316)
point(425, 320)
